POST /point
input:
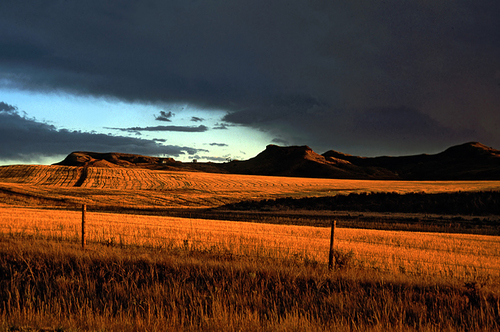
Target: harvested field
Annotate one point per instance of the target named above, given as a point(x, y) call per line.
point(132, 187)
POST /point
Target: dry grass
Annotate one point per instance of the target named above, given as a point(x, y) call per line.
point(450, 255)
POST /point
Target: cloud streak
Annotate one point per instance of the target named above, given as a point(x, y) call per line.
point(164, 116)
point(221, 126)
point(309, 72)
point(186, 129)
point(26, 139)
point(196, 119)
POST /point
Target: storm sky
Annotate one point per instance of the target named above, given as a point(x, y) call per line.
point(221, 79)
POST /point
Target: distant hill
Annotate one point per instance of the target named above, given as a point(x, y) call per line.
point(115, 159)
point(112, 159)
point(302, 161)
point(469, 161)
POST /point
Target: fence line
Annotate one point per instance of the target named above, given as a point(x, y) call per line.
point(231, 232)
point(297, 249)
point(202, 237)
point(21, 230)
point(225, 231)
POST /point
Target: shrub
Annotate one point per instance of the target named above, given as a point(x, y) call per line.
point(343, 259)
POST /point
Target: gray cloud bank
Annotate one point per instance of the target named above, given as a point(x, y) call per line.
point(25, 139)
point(392, 76)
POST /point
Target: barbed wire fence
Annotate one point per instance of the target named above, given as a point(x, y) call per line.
point(322, 247)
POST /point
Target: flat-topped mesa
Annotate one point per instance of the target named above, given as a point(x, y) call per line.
point(275, 151)
point(111, 159)
point(295, 149)
point(298, 161)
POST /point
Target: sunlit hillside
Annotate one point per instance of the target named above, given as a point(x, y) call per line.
point(60, 185)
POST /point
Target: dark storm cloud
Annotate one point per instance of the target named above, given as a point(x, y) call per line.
point(311, 72)
point(7, 108)
point(197, 119)
point(164, 116)
point(403, 125)
point(26, 139)
point(218, 144)
point(187, 129)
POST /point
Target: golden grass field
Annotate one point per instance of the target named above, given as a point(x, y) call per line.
point(132, 187)
point(128, 187)
point(450, 255)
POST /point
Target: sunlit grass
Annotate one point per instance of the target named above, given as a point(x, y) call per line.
point(453, 255)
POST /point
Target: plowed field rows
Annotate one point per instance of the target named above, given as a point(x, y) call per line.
point(40, 175)
point(141, 187)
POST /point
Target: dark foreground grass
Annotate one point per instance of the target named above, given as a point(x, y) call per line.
point(56, 286)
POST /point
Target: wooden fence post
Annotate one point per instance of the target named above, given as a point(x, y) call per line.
point(332, 240)
point(84, 210)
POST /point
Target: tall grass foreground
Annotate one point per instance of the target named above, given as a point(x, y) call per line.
point(52, 285)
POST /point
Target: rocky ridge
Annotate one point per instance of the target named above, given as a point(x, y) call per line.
point(469, 161)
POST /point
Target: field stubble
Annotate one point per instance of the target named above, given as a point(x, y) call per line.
point(131, 187)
